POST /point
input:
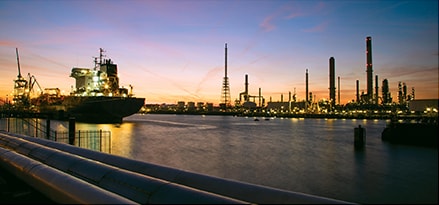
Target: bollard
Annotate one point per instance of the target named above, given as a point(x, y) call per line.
point(72, 131)
point(359, 137)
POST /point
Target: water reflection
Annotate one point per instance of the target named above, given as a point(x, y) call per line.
point(314, 156)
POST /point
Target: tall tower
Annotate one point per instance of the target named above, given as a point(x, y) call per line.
point(225, 96)
point(404, 92)
point(246, 96)
point(386, 92)
point(358, 91)
point(413, 93)
point(306, 85)
point(338, 94)
point(376, 90)
point(332, 81)
point(369, 70)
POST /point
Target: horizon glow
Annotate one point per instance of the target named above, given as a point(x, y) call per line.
point(172, 51)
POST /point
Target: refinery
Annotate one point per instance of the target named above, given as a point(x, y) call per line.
point(375, 103)
point(100, 86)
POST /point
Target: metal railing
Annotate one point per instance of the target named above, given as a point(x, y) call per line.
point(98, 140)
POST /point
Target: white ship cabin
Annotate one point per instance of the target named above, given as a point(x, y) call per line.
point(102, 82)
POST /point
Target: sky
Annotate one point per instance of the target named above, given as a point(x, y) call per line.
point(172, 51)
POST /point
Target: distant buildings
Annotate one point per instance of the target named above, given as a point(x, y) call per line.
point(369, 102)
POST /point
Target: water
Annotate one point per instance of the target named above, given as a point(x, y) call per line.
point(313, 156)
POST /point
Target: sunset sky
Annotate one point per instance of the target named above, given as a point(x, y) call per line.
point(172, 51)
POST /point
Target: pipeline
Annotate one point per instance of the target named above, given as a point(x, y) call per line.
point(133, 186)
point(131, 173)
point(56, 185)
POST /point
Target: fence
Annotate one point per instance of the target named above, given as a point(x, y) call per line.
point(97, 140)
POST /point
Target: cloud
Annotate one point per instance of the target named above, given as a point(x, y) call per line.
point(419, 72)
point(293, 11)
point(267, 24)
point(7, 43)
point(318, 28)
point(212, 73)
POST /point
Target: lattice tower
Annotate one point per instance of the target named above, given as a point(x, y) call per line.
point(225, 94)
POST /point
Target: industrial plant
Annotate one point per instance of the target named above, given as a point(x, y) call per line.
point(372, 104)
point(369, 104)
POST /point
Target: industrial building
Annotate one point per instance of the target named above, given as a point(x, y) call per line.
point(424, 106)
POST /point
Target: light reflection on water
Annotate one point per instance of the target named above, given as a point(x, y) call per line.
point(314, 156)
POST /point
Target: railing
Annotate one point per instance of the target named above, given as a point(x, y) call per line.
point(97, 140)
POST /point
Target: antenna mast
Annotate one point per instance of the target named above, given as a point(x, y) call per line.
point(226, 87)
point(101, 55)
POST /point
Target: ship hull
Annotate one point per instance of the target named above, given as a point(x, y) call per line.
point(96, 109)
point(420, 134)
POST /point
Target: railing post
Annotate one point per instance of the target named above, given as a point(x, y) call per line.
point(36, 127)
point(100, 140)
point(72, 131)
point(48, 129)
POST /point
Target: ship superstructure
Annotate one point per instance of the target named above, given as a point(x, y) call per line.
point(96, 98)
point(103, 80)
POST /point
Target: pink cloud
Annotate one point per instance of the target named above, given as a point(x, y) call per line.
point(293, 12)
point(318, 28)
point(8, 43)
point(267, 24)
point(210, 75)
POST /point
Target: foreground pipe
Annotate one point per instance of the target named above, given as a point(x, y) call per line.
point(133, 186)
point(225, 187)
point(56, 185)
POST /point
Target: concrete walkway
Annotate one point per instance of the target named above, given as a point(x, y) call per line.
point(15, 191)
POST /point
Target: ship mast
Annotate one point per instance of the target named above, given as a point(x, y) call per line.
point(101, 56)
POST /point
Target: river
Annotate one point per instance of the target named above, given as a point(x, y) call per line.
point(313, 156)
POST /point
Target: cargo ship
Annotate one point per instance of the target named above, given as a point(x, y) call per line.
point(96, 97)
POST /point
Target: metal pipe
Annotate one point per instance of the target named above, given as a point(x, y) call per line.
point(55, 184)
point(224, 187)
point(133, 186)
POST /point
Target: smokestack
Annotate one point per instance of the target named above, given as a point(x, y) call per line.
point(289, 101)
point(376, 89)
point(246, 88)
point(338, 90)
point(404, 91)
point(358, 91)
point(385, 92)
point(369, 68)
point(332, 80)
point(400, 93)
point(413, 93)
point(260, 96)
point(306, 85)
